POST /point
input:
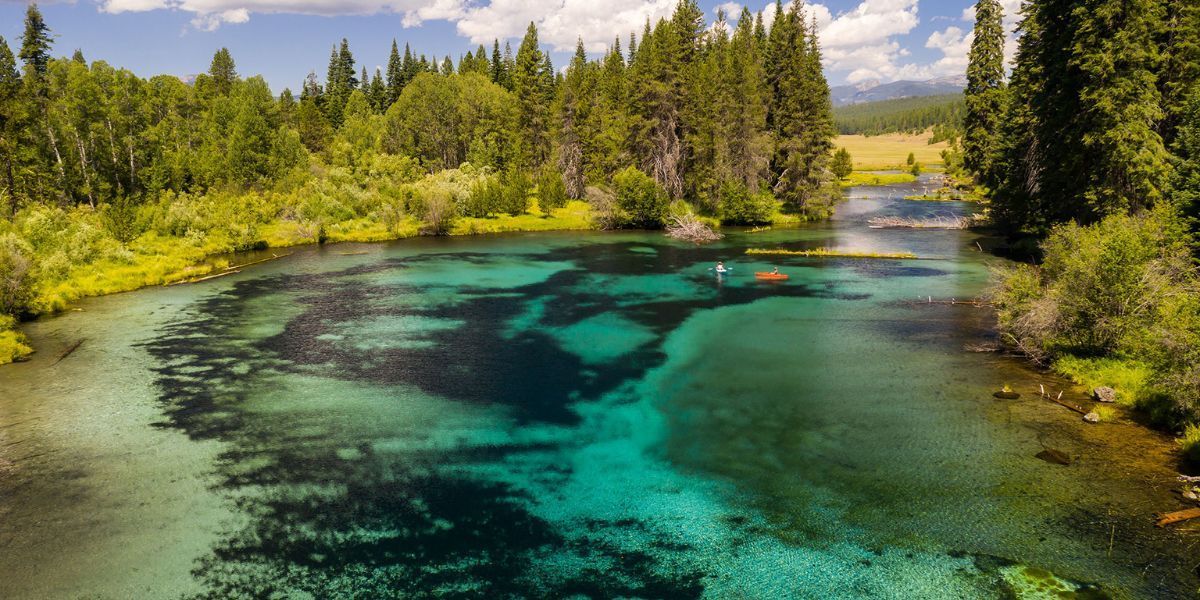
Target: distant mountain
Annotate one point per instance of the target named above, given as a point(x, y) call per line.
point(873, 91)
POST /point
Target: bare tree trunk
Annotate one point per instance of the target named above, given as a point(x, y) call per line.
point(83, 166)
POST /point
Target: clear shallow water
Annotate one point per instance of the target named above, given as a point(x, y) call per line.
point(567, 415)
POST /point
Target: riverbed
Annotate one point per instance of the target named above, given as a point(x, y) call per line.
point(572, 415)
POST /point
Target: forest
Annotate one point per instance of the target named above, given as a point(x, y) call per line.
point(109, 181)
point(1090, 152)
point(943, 114)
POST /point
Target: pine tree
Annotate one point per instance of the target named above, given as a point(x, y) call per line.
point(447, 66)
point(35, 45)
point(573, 107)
point(749, 143)
point(409, 66)
point(10, 89)
point(287, 108)
point(378, 93)
point(1181, 62)
point(801, 115)
point(498, 71)
point(339, 83)
point(1119, 105)
point(532, 83)
point(985, 85)
point(223, 72)
point(77, 57)
point(395, 75)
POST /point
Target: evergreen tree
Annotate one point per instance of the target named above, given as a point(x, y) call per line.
point(533, 86)
point(223, 72)
point(35, 45)
point(1120, 105)
point(1181, 62)
point(409, 66)
point(287, 108)
point(395, 75)
point(574, 104)
point(801, 114)
point(77, 57)
point(985, 85)
point(447, 66)
point(339, 83)
point(377, 94)
point(843, 164)
point(498, 70)
point(1186, 178)
point(10, 89)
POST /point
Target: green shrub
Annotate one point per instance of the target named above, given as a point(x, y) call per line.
point(1124, 288)
point(121, 219)
point(740, 207)
point(842, 165)
point(1189, 442)
point(551, 190)
point(643, 201)
point(485, 197)
point(16, 274)
point(514, 197)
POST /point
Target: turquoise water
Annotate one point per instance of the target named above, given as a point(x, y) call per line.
point(569, 415)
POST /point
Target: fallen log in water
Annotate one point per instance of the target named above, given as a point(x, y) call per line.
point(230, 270)
point(1059, 401)
point(1186, 514)
point(69, 350)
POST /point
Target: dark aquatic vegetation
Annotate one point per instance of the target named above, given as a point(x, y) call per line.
point(583, 415)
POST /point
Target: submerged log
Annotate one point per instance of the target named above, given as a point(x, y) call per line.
point(1178, 516)
point(231, 269)
point(1051, 455)
point(69, 350)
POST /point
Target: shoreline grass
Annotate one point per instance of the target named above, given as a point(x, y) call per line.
point(868, 178)
point(830, 253)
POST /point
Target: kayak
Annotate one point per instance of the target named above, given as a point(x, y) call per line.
point(770, 276)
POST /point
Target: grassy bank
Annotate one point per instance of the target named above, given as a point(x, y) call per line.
point(861, 178)
point(829, 253)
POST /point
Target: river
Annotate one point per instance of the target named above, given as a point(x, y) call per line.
point(571, 415)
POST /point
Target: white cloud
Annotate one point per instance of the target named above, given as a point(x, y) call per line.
point(561, 23)
point(732, 10)
point(864, 42)
point(210, 14)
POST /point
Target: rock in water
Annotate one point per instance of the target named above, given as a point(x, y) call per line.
point(1105, 394)
point(1092, 417)
point(1051, 455)
point(1003, 395)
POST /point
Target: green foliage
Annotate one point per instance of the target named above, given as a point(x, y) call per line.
point(1189, 443)
point(915, 168)
point(985, 86)
point(644, 202)
point(741, 207)
point(843, 164)
point(1125, 288)
point(911, 160)
point(16, 274)
point(1080, 138)
point(445, 121)
point(902, 115)
point(551, 190)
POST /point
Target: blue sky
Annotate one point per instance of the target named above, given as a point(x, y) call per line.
point(284, 39)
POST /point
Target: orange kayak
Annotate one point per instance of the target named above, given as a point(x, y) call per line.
point(770, 276)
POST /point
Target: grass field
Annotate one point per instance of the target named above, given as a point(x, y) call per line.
point(880, 152)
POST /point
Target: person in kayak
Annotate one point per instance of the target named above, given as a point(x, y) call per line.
point(775, 271)
point(721, 267)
